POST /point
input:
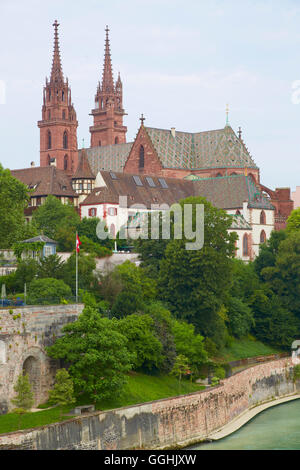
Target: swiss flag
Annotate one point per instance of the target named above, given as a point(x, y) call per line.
point(78, 243)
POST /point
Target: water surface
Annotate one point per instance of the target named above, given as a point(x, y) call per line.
point(277, 428)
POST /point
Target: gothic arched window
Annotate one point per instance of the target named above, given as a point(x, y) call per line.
point(142, 157)
point(49, 140)
point(116, 140)
point(65, 162)
point(262, 218)
point(263, 237)
point(65, 140)
point(63, 96)
point(245, 245)
point(64, 114)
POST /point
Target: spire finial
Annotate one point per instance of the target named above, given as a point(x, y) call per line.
point(142, 119)
point(107, 78)
point(227, 115)
point(240, 133)
point(56, 72)
point(83, 143)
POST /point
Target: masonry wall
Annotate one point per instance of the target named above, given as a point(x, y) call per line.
point(165, 423)
point(24, 334)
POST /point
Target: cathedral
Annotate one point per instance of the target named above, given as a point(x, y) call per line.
point(161, 166)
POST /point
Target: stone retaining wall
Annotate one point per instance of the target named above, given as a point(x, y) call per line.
point(165, 423)
point(24, 334)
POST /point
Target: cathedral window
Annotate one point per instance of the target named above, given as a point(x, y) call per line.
point(262, 218)
point(116, 140)
point(65, 140)
point(245, 245)
point(49, 140)
point(99, 143)
point(142, 157)
point(49, 114)
point(63, 96)
point(263, 237)
point(64, 114)
point(65, 162)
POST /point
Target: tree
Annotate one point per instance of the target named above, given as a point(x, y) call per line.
point(181, 367)
point(86, 268)
point(13, 200)
point(195, 284)
point(97, 353)
point(189, 344)
point(142, 341)
point(25, 273)
point(24, 399)
point(48, 291)
point(93, 248)
point(57, 221)
point(293, 222)
point(63, 391)
point(240, 317)
point(50, 266)
point(268, 251)
point(163, 328)
point(88, 228)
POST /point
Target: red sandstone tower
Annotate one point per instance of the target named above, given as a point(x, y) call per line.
point(58, 128)
point(108, 114)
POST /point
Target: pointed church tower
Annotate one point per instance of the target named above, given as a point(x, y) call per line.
point(58, 127)
point(108, 114)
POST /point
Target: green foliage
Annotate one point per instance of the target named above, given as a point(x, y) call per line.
point(293, 222)
point(196, 283)
point(93, 248)
point(50, 266)
point(21, 248)
point(142, 341)
point(181, 367)
point(97, 354)
point(88, 228)
point(63, 390)
point(26, 272)
point(163, 329)
point(268, 251)
point(219, 372)
point(47, 291)
point(57, 221)
point(240, 316)
point(13, 200)
point(296, 373)
point(189, 344)
point(24, 398)
point(86, 267)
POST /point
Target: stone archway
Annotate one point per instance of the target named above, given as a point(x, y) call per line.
point(32, 367)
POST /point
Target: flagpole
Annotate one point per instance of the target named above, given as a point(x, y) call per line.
point(76, 270)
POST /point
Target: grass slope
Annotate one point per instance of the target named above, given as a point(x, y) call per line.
point(244, 348)
point(140, 388)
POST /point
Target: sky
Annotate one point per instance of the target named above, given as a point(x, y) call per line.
point(181, 62)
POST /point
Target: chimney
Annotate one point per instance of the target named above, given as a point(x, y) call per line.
point(32, 164)
point(173, 132)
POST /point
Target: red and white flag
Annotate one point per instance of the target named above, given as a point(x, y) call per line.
point(78, 243)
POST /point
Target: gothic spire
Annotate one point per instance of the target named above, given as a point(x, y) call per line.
point(107, 77)
point(56, 72)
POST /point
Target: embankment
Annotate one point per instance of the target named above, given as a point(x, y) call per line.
point(169, 423)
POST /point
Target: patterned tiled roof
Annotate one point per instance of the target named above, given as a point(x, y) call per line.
point(230, 192)
point(109, 157)
point(201, 150)
point(239, 223)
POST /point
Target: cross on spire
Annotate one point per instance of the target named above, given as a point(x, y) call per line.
point(56, 72)
point(227, 115)
point(240, 133)
point(142, 119)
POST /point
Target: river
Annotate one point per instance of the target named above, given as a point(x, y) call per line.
point(277, 428)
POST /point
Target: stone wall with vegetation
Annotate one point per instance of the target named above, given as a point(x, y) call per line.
point(24, 334)
point(172, 422)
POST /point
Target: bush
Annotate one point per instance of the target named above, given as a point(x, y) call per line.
point(47, 292)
